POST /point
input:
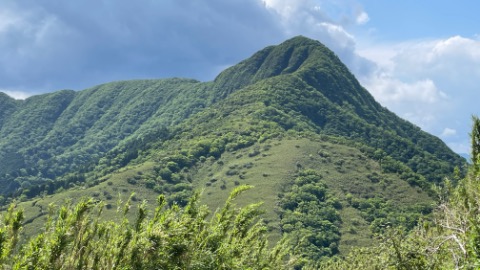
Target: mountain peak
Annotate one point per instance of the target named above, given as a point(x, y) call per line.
point(301, 41)
point(285, 58)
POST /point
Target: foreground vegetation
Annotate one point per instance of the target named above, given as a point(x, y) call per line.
point(235, 238)
point(170, 238)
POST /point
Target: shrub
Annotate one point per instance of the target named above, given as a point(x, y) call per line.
point(170, 238)
point(131, 181)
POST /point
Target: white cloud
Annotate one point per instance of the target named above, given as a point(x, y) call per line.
point(327, 21)
point(17, 94)
point(454, 58)
point(362, 18)
point(46, 46)
point(448, 132)
point(424, 81)
point(390, 90)
point(337, 33)
point(322, 20)
point(433, 83)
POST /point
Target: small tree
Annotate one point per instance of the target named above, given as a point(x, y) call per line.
point(475, 136)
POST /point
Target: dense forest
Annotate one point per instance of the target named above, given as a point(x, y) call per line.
point(335, 171)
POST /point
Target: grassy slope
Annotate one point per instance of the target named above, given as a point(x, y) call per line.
point(279, 160)
point(269, 171)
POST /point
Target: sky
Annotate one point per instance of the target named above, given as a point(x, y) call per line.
point(420, 59)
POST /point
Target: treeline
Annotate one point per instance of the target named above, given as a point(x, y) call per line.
point(310, 218)
point(57, 140)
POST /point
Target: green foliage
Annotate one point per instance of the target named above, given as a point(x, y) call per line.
point(171, 238)
point(395, 250)
point(107, 126)
point(310, 219)
point(450, 241)
point(171, 136)
point(382, 213)
point(475, 137)
point(298, 85)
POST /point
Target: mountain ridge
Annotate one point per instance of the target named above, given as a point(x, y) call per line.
point(291, 119)
point(307, 63)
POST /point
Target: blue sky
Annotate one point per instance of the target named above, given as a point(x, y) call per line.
point(420, 59)
point(410, 19)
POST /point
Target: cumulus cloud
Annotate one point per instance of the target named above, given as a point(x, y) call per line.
point(447, 132)
point(322, 20)
point(455, 58)
point(326, 21)
point(362, 18)
point(387, 89)
point(49, 45)
point(433, 83)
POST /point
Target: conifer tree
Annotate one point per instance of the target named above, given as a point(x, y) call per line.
point(475, 136)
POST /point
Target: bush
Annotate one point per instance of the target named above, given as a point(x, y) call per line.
point(311, 219)
point(150, 183)
point(131, 181)
point(170, 238)
point(165, 173)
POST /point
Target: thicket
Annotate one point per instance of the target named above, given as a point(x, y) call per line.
point(309, 216)
point(185, 238)
point(170, 238)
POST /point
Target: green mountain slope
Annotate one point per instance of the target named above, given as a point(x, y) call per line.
point(305, 78)
point(331, 165)
point(50, 135)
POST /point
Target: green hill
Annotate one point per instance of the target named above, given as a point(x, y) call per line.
point(332, 166)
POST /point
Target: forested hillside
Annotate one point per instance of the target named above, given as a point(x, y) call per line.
point(47, 136)
point(332, 166)
point(50, 135)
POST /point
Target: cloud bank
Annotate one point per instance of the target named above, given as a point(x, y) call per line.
point(432, 83)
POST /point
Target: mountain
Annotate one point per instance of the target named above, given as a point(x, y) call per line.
point(332, 165)
point(47, 136)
